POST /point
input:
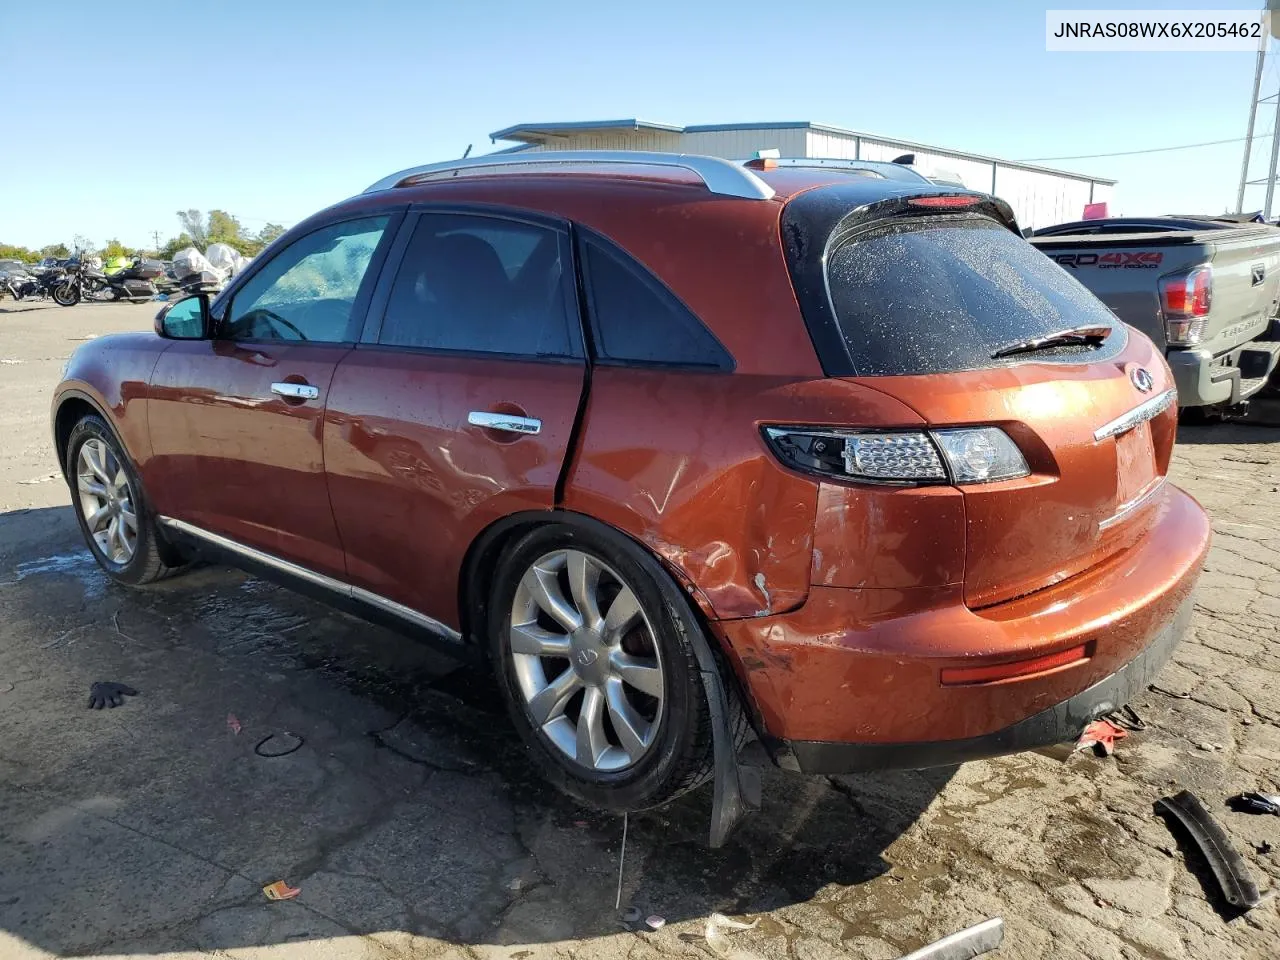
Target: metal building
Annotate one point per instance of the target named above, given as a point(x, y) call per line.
point(1040, 196)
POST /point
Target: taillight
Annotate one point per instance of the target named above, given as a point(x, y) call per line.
point(1184, 301)
point(958, 455)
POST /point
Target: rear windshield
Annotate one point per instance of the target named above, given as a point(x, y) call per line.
point(940, 295)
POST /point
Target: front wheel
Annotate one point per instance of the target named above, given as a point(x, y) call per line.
point(111, 508)
point(594, 660)
point(66, 294)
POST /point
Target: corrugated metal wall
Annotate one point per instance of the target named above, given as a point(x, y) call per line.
point(1041, 199)
point(743, 144)
point(663, 141)
point(1038, 198)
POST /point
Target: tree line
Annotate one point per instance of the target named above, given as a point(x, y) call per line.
point(197, 230)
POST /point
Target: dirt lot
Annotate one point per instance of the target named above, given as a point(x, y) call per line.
point(416, 828)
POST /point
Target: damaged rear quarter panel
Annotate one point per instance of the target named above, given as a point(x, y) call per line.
point(676, 460)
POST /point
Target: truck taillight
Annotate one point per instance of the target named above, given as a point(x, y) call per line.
point(1184, 301)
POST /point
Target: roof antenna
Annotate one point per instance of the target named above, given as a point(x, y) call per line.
point(465, 153)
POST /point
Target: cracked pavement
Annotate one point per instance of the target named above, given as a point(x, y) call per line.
point(415, 826)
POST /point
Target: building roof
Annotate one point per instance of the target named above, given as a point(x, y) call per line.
point(538, 133)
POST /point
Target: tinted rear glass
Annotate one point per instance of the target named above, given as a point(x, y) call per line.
point(943, 294)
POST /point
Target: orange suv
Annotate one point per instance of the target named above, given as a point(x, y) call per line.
point(677, 445)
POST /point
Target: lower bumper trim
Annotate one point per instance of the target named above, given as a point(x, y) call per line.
point(1062, 723)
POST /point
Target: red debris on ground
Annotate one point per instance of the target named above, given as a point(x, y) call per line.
point(1102, 736)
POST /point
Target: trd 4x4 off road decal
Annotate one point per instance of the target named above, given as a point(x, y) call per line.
point(1110, 261)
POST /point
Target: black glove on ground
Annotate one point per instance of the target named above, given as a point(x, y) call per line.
point(105, 693)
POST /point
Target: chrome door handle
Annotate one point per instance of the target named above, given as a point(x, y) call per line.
point(296, 391)
point(504, 421)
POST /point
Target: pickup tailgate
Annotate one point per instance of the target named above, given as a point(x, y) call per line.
point(1124, 271)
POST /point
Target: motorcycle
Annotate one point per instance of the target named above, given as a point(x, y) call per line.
point(23, 285)
point(82, 281)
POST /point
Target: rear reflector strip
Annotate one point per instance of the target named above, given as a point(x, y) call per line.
point(962, 676)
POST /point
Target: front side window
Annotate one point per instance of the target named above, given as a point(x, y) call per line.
point(309, 289)
point(479, 284)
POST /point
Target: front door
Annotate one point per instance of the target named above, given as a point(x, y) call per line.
point(458, 408)
point(236, 421)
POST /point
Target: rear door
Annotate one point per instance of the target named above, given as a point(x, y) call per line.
point(458, 406)
point(235, 421)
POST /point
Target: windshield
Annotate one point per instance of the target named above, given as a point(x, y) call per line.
point(937, 295)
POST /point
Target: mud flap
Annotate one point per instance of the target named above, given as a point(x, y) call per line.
point(1227, 865)
point(737, 788)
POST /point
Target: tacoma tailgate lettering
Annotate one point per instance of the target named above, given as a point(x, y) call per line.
point(1109, 261)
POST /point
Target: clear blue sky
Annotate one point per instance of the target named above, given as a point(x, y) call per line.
point(120, 114)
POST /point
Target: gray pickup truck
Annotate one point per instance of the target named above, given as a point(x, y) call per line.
point(1205, 289)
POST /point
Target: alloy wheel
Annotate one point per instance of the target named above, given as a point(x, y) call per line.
point(107, 501)
point(587, 661)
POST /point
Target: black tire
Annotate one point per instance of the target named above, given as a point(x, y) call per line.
point(680, 757)
point(153, 558)
point(66, 294)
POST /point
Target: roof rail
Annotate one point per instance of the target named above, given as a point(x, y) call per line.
point(722, 177)
point(882, 168)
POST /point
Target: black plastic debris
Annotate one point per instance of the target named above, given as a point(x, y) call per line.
point(107, 693)
point(1128, 718)
point(1228, 867)
point(277, 745)
point(1255, 803)
point(973, 942)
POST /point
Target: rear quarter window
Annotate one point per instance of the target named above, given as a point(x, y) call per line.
point(942, 294)
point(635, 319)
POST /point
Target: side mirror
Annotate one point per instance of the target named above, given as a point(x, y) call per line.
point(185, 319)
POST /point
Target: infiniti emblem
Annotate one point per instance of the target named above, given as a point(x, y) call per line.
point(587, 657)
point(1141, 379)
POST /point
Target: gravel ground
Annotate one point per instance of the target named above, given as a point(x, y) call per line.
point(415, 827)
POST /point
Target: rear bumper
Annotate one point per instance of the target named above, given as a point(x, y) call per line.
point(1061, 723)
point(880, 678)
point(1202, 383)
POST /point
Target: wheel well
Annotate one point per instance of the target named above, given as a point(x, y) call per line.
point(479, 566)
point(481, 563)
point(72, 410)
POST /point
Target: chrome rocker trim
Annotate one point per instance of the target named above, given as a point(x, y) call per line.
point(310, 576)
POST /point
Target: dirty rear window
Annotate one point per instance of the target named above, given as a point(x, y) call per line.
point(936, 295)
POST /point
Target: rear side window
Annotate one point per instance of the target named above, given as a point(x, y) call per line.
point(941, 295)
point(482, 285)
point(635, 318)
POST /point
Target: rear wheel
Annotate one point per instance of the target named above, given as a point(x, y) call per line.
point(597, 669)
point(111, 507)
